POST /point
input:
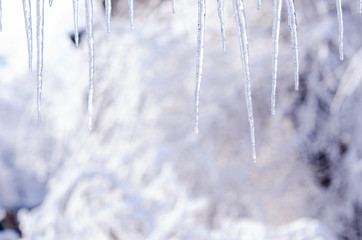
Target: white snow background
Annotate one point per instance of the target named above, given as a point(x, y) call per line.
point(142, 172)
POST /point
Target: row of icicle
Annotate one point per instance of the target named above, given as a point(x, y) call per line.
point(240, 21)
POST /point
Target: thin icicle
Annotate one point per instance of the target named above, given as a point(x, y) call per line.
point(130, 11)
point(173, 2)
point(277, 11)
point(220, 11)
point(1, 13)
point(108, 14)
point(89, 23)
point(340, 25)
point(75, 20)
point(29, 31)
point(259, 4)
point(292, 20)
point(199, 57)
point(360, 6)
point(40, 46)
point(50, 2)
point(240, 21)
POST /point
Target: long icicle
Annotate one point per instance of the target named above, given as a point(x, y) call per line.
point(173, 2)
point(1, 13)
point(199, 57)
point(131, 12)
point(75, 20)
point(89, 23)
point(240, 21)
point(29, 31)
point(220, 11)
point(40, 47)
point(340, 26)
point(277, 11)
point(108, 9)
point(292, 20)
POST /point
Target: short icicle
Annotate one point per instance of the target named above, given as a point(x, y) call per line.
point(40, 47)
point(292, 20)
point(131, 12)
point(75, 20)
point(173, 2)
point(220, 11)
point(259, 4)
point(89, 28)
point(199, 57)
point(240, 21)
point(340, 26)
point(277, 11)
point(108, 10)
point(50, 2)
point(29, 31)
point(360, 6)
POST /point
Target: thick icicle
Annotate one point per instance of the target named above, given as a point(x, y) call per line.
point(292, 20)
point(173, 6)
point(1, 13)
point(40, 46)
point(50, 2)
point(89, 23)
point(108, 4)
point(340, 25)
point(29, 31)
point(220, 11)
point(130, 11)
point(199, 57)
point(240, 21)
point(277, 11)
point(259, 4)
point(75, 20)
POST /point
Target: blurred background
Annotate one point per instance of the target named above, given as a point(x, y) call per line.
point(142, 172)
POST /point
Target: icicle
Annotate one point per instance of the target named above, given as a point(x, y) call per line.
point(29, 31)
point(220, 11)
point(50, 2)
point(130, 11)
point(240, 21)
point(360, 6)
point(199, 57)
point(292, 20)
point(108, 14)
point(1, 13)
point(40, 46)
point(277, 11)
point(340, 23)
point(75, 20)
point(173, 6)
point(89, 22)
point(259, 4)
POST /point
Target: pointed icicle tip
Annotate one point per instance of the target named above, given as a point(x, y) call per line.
point(173, 2)
point(259, 4)
point(50, 3)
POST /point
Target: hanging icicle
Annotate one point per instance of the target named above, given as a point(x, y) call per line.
point(173, 2)
point(240, 21)
point(199, 57)
point(108, 10)
point(29, 31)
point(75, 20)
point(340, 26)
point(277, 11)
point(360, 6)
point(50, 2)
point(1, 13)
point(259, 4)
point(292, 20)
point(130, 11)
point(40, 47)
point(220, 11)
point(89, 23)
